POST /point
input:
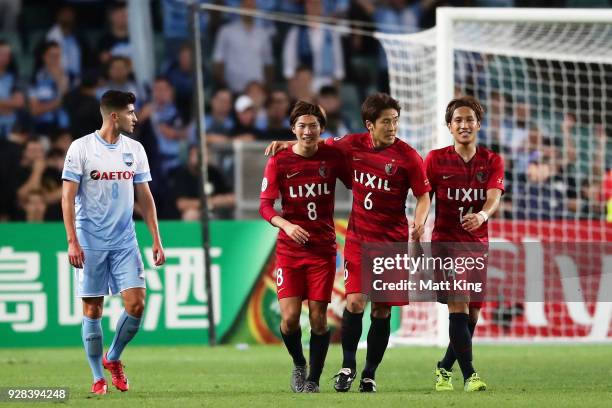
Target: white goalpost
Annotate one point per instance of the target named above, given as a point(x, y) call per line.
point(544, 77)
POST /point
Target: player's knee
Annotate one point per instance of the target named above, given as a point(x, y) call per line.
point(318, 322)
point(458, 307)
point(93, 308)
point(290, 323)
point(92, 311)
point(135, 308)
point(355, 305)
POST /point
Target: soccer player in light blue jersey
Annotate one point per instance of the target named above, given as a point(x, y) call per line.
point(100, 173)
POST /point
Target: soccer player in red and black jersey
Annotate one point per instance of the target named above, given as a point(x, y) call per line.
point(305, 177)
point(384, 169)
point(467, 182)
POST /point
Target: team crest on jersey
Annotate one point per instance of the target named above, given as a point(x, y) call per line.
point(482, 176)
point(323, 170)
point(128, 158)
point(389, 169)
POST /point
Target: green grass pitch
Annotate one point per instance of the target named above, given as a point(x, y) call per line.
point(518, 375)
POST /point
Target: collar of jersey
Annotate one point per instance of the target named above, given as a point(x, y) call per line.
point(110, 146)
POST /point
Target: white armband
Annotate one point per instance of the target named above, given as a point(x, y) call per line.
point(484, 215)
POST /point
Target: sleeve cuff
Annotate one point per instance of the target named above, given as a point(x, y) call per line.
point(70, 176)
point(142, 178)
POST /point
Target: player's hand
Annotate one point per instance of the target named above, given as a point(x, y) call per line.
point(159, 258)
point(76, 256)
point(297, 233)
point(275, 147)
point(471, 222)
point(417, 231)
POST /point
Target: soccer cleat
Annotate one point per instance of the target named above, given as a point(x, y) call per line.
point(298, 377)
point(99, 387)
point(311, 386)
point(344, 379)
point(367, 385)
point(116, 368)
point(474, 383)
point(443, 379)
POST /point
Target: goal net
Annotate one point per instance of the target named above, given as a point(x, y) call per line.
point(545, 80)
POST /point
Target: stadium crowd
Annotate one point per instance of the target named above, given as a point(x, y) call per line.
point(54, 66)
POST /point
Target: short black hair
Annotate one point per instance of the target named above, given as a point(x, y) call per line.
point(328, 90)
point(121, 58)
point(302, 108)
point(115, 100)
point(373, 106)
point(464, 101)
point(163, 78)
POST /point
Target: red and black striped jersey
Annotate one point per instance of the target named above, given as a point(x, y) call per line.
point(306, 186)
point(460, 188)
point(381, 181)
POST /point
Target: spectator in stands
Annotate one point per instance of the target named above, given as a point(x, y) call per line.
point(291, 6)
point(265, 6)
point(257, 92)
point(12, 99)
point(184, 183)
point(245, 129)
point(28, 175)
point(175, 16)
point(593, 206)
point(301, 86)
point(179, 73)
point(61, 140)
point(276, 125)
point(51, 184)
point(74, 49)
point(492, 123)
point(336, 8)
point(567, 129)
point(119, 77)
point(9, 15)
point(535, 145)
point(243, 53)
point(537, 197)
point(47, 89)
point(219, 122)
point(585, 146)
point(337, 125)
point(34, 206)
point(10, 158)
point(116, 41)
point(163, 122)
point(83, 107)
point(317, 48)
point(395, 17)
point(515, 129)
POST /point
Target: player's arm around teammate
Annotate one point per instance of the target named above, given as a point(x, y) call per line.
point(304, 176)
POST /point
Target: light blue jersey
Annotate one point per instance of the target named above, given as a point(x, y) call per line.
point(104, 204)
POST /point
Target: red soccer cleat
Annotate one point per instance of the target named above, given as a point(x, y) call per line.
point(99, 387)
point(116, 368)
